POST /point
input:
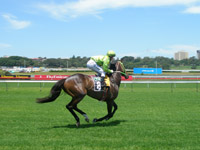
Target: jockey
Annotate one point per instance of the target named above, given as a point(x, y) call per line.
point(100, 64)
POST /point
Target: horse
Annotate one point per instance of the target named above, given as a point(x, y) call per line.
point(80, 85)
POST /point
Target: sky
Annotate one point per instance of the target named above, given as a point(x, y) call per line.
point(66, 28)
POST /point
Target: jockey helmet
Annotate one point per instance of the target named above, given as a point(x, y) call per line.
point(111, 53)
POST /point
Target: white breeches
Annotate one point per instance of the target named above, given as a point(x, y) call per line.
point(91, 64)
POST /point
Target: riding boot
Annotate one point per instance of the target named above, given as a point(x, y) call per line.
point(103, 84)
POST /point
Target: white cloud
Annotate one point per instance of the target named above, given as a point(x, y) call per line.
point(95, 7)
point(163, 51)
point(193, 10)
point(4, 46)
point(169, 51)
point(16, 24)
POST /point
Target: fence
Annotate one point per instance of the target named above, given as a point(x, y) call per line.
point(173, 83)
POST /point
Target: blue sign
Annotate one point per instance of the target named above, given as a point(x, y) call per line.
point(147, 70)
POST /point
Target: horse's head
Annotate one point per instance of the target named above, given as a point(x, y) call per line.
point(119, 67)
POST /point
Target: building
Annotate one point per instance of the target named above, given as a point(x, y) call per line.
point(198, 54)
point(181, 55)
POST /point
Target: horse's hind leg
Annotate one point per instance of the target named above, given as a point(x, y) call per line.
point(82, 113)
point(70, 108)
point(73, 106)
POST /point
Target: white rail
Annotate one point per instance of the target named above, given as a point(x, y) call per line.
point(173, 83)
point(28, 81)
point(53, 81)
point(160, 81)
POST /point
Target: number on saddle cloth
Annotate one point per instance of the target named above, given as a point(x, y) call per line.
point(97, 83)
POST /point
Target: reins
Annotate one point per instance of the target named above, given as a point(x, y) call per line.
point(121, 72)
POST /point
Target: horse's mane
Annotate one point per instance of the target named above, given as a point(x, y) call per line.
point(113, 65)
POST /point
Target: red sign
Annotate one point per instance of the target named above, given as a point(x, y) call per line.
point(129, 79)
point(58, 77)
point(50, 77)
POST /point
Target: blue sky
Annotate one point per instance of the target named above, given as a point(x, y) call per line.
point(139, 28)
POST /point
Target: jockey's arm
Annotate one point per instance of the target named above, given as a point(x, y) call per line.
point(105, 67)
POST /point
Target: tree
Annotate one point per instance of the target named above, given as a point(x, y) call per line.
point(129, 62)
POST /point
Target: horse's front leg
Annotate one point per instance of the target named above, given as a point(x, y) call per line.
point(115, 108)
point(109, 115)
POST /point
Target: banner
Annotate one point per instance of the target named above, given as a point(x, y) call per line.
point(58, 77)
point(50, 77)
point(16, 77)
point(129, 79)
point(43, 77)
point(147, 70)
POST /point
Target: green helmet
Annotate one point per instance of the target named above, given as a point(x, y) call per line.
point(111, 53)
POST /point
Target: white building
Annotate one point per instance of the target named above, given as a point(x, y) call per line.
point(198, 54)
point(181, 55)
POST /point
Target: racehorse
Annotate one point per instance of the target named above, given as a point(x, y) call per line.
point(80, 85)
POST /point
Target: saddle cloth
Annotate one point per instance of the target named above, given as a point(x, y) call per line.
point(97, 83)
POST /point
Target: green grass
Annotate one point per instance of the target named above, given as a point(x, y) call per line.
point(183, 68)
point(154, 117)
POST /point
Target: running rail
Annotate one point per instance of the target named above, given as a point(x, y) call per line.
point(128, 82)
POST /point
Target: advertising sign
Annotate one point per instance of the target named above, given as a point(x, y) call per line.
point(147, 70)
point(50, 77)
point(129, 79)
point(19, 77)
point(58, 77)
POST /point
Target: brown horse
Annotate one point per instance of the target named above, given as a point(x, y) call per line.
point(79, 85)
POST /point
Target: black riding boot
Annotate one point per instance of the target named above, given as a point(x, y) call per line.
point(103, 84)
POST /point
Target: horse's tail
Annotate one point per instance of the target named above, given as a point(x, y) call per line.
point(55, 92)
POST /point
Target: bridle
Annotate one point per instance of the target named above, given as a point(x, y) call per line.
point(123, 72)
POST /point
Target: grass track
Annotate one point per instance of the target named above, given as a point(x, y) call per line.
point(153, 117)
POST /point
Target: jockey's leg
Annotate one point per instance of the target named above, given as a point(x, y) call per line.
point(91, 64)
point(103, 84)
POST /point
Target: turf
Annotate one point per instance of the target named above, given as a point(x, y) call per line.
point(155, 116)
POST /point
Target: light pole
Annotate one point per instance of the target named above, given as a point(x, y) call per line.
point(156, 67)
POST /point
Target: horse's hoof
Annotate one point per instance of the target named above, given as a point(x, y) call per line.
point(94, 120)
point(107, 119)
point(87, 120)
point(78, 124)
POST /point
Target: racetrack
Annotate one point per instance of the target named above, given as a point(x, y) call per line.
point(150, 117)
